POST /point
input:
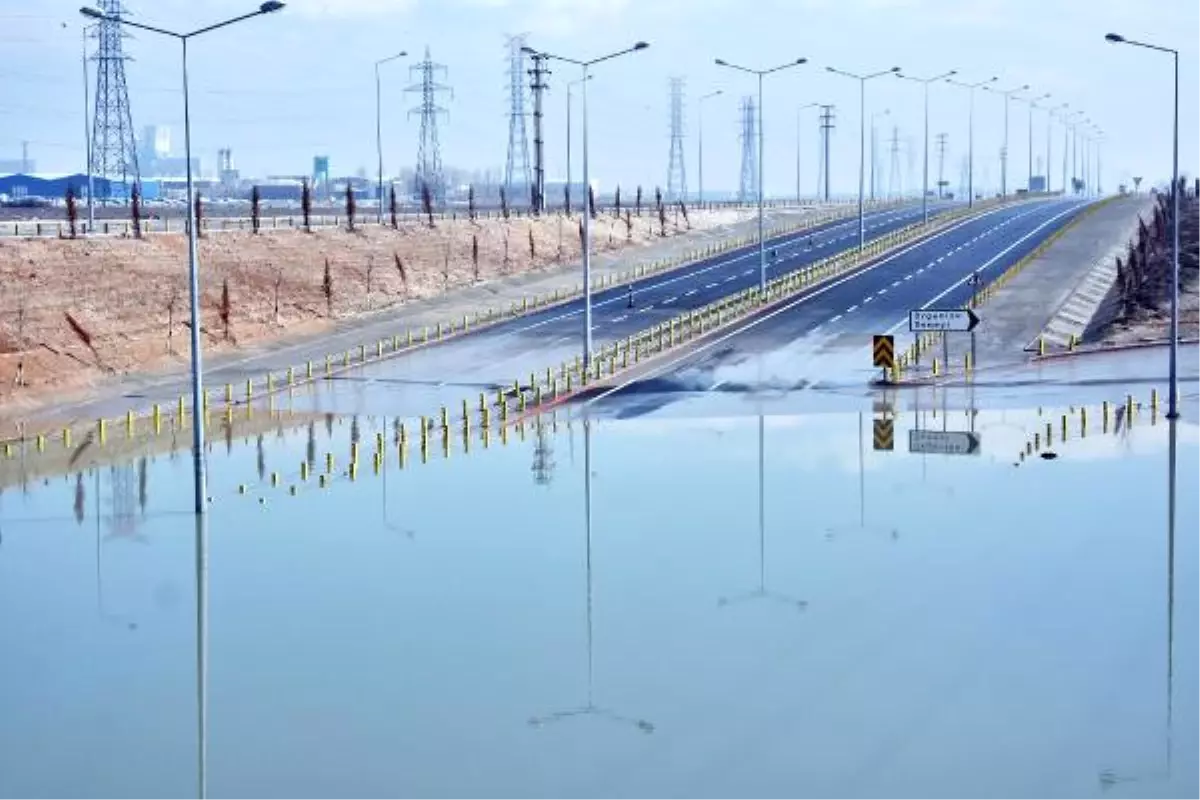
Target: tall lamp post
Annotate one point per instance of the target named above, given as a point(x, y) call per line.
point(193, 256)
point(570, 85)
point(862, 139)
point(1033, 103)
point(584, 66)
point(925, 169)
point(1008, 95)
point(379, 127)
point(1051, 113)
point(1069, 122)
point(971, 87)
point(87, 134)
point(700, 140)
point(799, 129)
point(874, 160)
point(762, 245)
point(1173, 411)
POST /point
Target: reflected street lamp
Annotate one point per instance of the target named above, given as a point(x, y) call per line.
point(762, 246)
point(925, 169)
point(379, 128)
point(587, 210)
point(193, 256)
point(862, 139)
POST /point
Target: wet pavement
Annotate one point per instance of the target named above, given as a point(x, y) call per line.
point(777, 598)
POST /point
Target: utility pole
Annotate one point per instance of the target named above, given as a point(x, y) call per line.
point(941, 148)
point(539, 86)
point(828, 123)
point(894, 187)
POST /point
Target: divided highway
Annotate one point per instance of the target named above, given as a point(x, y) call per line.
point(502, 353)
point(822, 338)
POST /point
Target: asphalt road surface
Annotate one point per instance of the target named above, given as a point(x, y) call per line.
point(822, 339)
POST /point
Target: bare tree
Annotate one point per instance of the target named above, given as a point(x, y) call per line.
point(475, 255)
point(662, 220)
point(306, 205)
point(507, 231)
point(560, 243)
point(471, 202)
point(446, 266)
point(617, 202)
point(504, 212)
point(427, 202)
point(173, 298)
point(327, 288)
point(226, 307)
point(532, 247)
point(638, 202)
point(351, 206)
point(403, 272)
point(392, 208)
point(278, 284)
point(135, 210)
point(567, 198)
point(370, 269)
point(628, 226)
point(72, 211)
point(255, 208)
point(591, 202)
point(198, 214)
point(686, 221)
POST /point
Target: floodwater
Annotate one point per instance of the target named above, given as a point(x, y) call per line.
point(758, 604)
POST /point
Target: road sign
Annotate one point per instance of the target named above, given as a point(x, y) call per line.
point(884, 350)
point(942, 319)
point(885, 434)
point(944, 443)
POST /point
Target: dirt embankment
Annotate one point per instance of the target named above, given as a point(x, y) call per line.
point(1144, 275)
point(73, 312)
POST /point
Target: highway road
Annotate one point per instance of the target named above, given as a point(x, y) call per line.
point(822, 338)
point(447, 372)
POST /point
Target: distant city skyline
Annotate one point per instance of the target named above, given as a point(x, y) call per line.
point(280, 90)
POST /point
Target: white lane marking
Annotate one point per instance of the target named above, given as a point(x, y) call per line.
point(852, 309)
point(666, 366)
point(920, 270)
point(621, 318)
point(940, 259)
point(867, 300)
point(883, 290)
point(689, 292)
point(730, 278)
point(716, 386)
point(908, 277)
point(710, 285)
point(670, 299)
point(895, 284)
point(991, 261)
point(835, 319)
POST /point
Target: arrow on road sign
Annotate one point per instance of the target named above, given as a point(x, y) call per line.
point(944, 443)
point(942, 319)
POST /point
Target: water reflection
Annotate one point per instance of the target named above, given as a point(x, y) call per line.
point(761, 592)
point(589, 708)
point(1109, 777)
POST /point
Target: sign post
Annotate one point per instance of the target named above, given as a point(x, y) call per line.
point(883, 352)
point(945, 320)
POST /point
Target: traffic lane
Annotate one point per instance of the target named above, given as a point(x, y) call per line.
point(776, 346)
point(509, 347)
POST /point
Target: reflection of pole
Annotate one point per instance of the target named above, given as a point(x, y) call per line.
point(201, 654)
point(862, 482)
point(587, 533)
point(1171, 453)
point(762, 505)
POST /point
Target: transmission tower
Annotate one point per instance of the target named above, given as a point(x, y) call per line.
point(748, 183)
point(429, 153)
point(676, 171)
point(828, 123)
point(941, 148)
point(539, 86)
point(114, 151)
point(543, 458)
point(516, 168)
point(894, 187)
point(122, 483)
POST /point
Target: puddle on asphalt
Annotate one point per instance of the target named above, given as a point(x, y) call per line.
point(792, 604)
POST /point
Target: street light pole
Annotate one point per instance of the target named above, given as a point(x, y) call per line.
point(1033, 103)
point(799, 128)
point(587, 215)
point(1050, 114)
point(700, 140)
point(762, 245)
point(1173, 410)
point(379, 128)
point(925, 169)
point(862, 140)
point(198, 403)
point(87, 135)
point(1005, 152)
point(569, 85)
point(874, 137)
point(971, 87)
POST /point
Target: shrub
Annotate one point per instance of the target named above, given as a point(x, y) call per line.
point(306, 205)
point(72, 211)
point(135, 210)
point(255, 209)
point(327, 289)
point(351, 206)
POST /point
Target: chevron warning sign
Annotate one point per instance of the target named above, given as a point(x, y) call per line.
point(884, 351)
point(885, 434)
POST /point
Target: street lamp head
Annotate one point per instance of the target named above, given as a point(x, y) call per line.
point(270, 6)
point(1114, 37)
point(801, 61)
point(94, 13)
point(720, 62)
point(894, 69)
point(952, 72)
point(527, 49)
point(641, 45)
point(830, 69)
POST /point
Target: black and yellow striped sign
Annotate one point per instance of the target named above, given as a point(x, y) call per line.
point(884, 351)
point(885, 434)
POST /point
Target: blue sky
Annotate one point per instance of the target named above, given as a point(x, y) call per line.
point(282, 88)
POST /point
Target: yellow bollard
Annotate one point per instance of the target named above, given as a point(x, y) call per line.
point(354, 452)
point(346, 358)
point(1063, 435)
point(129, 420)
point(66, 437)
point(1041, 345)
point(353, 471)
point(328, 365)
point(229, 393)
point(1154, 400)
point(328, 463)
point(379, 349)
point(291, 377)
point(274, 478)
point(1128, 408)
point(1082, 422)
point(102, 430)
point(182, 410)
point(1049, 434)
point(303, 470)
